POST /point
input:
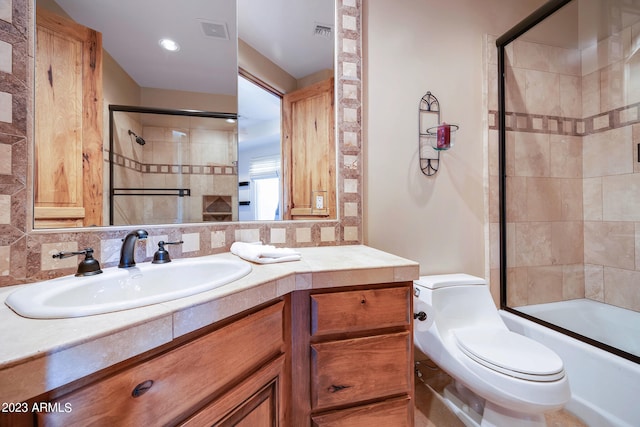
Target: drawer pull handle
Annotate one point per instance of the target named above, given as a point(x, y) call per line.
point(336, 388)
point(142, 388)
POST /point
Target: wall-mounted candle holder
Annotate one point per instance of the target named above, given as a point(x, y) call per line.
point(442, 137)
point(432, 139)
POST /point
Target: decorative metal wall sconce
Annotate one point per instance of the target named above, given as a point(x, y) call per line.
point(432, 138)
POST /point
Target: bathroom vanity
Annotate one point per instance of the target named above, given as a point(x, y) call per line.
point(325, 341)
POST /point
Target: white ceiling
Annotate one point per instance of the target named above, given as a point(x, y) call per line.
point(282, 30)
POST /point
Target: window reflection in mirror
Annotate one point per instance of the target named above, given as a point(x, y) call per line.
point(259, 148)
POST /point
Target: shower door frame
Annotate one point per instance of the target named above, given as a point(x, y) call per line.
point(113, 108)
point(511, 35)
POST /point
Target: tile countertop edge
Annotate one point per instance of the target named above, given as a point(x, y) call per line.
point(43, 368)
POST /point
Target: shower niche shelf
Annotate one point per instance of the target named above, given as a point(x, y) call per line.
point(217, 208)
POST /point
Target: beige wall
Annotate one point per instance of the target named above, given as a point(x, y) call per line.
point(264, 69)
point(260, 67)
point(175, 99)
point(411, 47)
point(117, 86)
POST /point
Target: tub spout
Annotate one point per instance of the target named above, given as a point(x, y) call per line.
point(127, 250)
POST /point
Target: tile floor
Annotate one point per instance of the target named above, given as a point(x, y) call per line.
point(431, 411)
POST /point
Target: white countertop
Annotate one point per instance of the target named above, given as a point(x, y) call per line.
point(39, 355)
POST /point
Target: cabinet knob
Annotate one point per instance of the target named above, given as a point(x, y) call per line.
point(142, 388)
point(422, 316)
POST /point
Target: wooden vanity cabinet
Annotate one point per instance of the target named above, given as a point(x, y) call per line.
point(336, 357)
point(233, 375)
point(352, 356)
point(256, 402)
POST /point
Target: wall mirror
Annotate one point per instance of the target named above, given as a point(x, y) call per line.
point(293, 52)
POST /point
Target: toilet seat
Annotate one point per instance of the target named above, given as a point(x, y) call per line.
point(510, 354)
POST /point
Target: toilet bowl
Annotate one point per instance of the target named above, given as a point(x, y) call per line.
point(502, 379)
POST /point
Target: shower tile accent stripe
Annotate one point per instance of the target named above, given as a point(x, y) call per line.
point(183, 169)
point(536, 123)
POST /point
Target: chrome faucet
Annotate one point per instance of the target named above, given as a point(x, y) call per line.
point(128, 248)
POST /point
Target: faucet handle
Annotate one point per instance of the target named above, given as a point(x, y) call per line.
point(162, 255)
point(88, 266)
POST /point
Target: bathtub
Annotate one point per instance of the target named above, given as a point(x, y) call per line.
point(605, 323)
point(604, 387)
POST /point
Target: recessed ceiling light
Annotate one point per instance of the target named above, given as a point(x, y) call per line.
point(169, 45)
point(231, 120)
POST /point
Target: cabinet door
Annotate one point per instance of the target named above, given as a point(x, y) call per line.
point(173, 385)
point(68, 114)
point(392, 413)
point(309, 152)
point(256, 402)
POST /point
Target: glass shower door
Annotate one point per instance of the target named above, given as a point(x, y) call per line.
point(570, 172)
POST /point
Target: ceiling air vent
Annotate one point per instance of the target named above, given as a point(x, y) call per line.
point(216, 30)
point(322, 30)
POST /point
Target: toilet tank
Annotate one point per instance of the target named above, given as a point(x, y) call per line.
point(459, 301)
point(437, 281)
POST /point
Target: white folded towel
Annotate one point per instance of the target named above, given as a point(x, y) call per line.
point(264, 254)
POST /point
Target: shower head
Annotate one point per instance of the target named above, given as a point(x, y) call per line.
point(139, 139)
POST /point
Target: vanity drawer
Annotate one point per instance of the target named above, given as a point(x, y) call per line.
point(188, 375)
point(355, 370)
point(354, 311)
point(395, 412)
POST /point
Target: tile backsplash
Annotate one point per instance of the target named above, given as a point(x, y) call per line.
point(25, 255)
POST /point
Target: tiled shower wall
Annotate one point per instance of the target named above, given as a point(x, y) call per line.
point(611, 99)
point(544, 176)
point(127, 166)
point(201, 160)
point(25, 255)
point(573, 182)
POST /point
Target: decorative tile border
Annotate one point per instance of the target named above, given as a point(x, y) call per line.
point(614, 119)
point(158, 168)
point(21, 249)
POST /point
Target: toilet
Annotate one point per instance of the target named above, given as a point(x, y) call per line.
point(501, 378)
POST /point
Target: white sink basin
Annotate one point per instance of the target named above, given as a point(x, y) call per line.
point(124, 288)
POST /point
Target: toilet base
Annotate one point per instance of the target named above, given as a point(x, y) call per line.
point(469, 415)
point(496, 416)
point(474, 412)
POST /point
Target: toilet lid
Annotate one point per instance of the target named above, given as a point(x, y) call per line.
point(510, 353)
